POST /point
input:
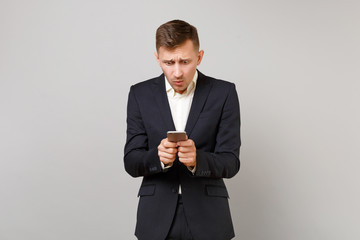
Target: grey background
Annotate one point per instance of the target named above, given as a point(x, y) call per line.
point(65, 71)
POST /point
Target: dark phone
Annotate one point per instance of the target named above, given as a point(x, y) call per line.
point(176, 136)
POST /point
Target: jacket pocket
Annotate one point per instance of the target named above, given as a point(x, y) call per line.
point(217, 191)
point(146, 190)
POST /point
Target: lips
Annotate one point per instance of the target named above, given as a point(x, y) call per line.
point(178, 83)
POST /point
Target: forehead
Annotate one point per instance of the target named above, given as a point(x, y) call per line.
point(185, 50)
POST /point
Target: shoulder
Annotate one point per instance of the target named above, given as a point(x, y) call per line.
point(146, 85)
point(216, 84)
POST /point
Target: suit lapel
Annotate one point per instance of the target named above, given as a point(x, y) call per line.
point(202, 90)
point(162, 102)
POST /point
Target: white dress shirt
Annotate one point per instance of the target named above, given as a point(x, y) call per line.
point(180, 105)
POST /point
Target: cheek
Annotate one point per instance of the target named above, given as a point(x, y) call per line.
point(166, 70)
point(190, 70)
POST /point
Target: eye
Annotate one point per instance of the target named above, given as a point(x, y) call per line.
point(186, 61)
point(168, 63)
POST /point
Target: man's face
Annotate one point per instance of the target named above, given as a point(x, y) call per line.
point(179, 64)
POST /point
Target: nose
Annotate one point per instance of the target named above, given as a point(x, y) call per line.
point(178, 71)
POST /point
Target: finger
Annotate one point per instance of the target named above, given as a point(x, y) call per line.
point(186, 143)
point(169, 156)
point(164, 157)
point(186, 155)
point(168, 150)
point(168, 144)
point(171, 150)
point(186, 149)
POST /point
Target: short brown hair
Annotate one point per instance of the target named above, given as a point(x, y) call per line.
point(174, 33)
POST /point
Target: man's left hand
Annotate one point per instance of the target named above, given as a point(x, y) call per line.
point(187, 153)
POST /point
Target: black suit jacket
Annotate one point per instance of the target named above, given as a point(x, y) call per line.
point(214, 125)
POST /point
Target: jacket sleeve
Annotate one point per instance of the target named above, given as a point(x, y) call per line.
point(139, 160)
point(224, 161)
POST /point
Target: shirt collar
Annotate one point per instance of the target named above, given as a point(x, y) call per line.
point(191, 86)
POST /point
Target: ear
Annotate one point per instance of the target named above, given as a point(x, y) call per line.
point(157, 57)
point(200, 57)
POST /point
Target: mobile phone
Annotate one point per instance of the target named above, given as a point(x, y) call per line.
point(176, 136)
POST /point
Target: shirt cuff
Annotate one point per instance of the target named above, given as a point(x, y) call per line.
point(163, 166)
point(192, 169)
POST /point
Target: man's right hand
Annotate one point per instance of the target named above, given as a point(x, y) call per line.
point(167, 152)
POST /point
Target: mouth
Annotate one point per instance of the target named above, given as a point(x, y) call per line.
point(178, 83)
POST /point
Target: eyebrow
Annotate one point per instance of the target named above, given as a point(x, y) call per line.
point(172, 60)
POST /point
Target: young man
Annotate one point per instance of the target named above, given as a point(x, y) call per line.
point(182, 195)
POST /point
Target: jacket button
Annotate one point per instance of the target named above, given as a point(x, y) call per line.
point(173, 190)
